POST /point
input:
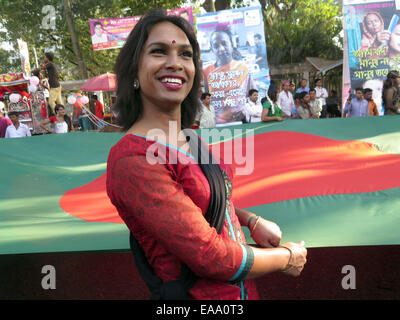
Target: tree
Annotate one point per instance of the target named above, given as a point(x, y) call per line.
point(9, 61)
point(33, 27)
point(296, 29)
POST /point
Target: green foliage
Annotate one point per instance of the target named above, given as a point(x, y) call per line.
point(7, 64)
point(296, 29)
point(23, 19)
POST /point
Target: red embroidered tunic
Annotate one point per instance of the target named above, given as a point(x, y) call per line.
point(164, 205)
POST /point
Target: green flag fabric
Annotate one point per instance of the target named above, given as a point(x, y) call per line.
point(329, 182)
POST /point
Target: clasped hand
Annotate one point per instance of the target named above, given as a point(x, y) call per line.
point(267, 234)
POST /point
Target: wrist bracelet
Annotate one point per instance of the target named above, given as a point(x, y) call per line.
point(289, 266)
point(251, 218)
point(255, 225)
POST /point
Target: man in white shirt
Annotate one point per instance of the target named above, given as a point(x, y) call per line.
point(322, 94)
point(206, 118)
point(254, 108)
point(285, 100)
point(16, 129)
point(99, 36)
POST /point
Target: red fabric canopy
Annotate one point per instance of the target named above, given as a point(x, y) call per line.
point(104, 82)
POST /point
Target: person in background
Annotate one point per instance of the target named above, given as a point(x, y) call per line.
point(261, 58)
point(297, 104)
point(292, 88)
point(304, 110)
point(391, 95)
point(253, 107)
point(332, 106)
point(4, 123)
point(372, 107)
point(271, 110)
point(358, 107)
point(16, 129)
point(303, 86)
point(315, 104)
point(321, 94)
point(61, 121)
point(206, 117)
point(98, 111)
point(285, 99)
point(52, 74)
point(43, 83)
point(83, 117)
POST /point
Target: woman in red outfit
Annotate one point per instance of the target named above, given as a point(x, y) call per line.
point(178, 211)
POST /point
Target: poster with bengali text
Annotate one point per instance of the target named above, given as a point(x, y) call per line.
point(373, 43)
point(234, 59)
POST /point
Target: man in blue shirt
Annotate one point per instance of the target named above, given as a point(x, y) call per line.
point(358, 107)
point(303, 87)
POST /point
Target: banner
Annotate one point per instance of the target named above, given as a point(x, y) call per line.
point(234, 57)
point(373, 39)
point(24, 54)
point(327, 186)
point(11, 79)
point(112, 33)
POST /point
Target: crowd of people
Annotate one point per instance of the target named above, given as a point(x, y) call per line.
point(285, 102)
point(282, 102)
point(53, 110)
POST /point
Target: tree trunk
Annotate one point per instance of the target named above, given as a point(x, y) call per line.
point(222, 4)
point(74, 38)
point(209, 5)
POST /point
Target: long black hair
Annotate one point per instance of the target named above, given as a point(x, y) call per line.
point(273, 92)
point(391, 79)
point(129, 107)
point(67, 119)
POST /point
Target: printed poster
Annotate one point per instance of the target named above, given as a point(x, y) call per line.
point(112, 33)
point(24, 55)
point(234, 58)
point(373, 40)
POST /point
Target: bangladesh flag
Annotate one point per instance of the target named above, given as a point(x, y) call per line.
point(334, 183)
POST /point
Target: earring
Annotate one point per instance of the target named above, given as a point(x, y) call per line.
point(136, 84)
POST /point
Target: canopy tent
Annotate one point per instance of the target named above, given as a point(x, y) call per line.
point(104, 82)
point(12, 82)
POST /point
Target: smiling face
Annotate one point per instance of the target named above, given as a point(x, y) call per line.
point(98, 30)
point(61, 112)
point(222, 47)
point(373, 24)
point(166, 68)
